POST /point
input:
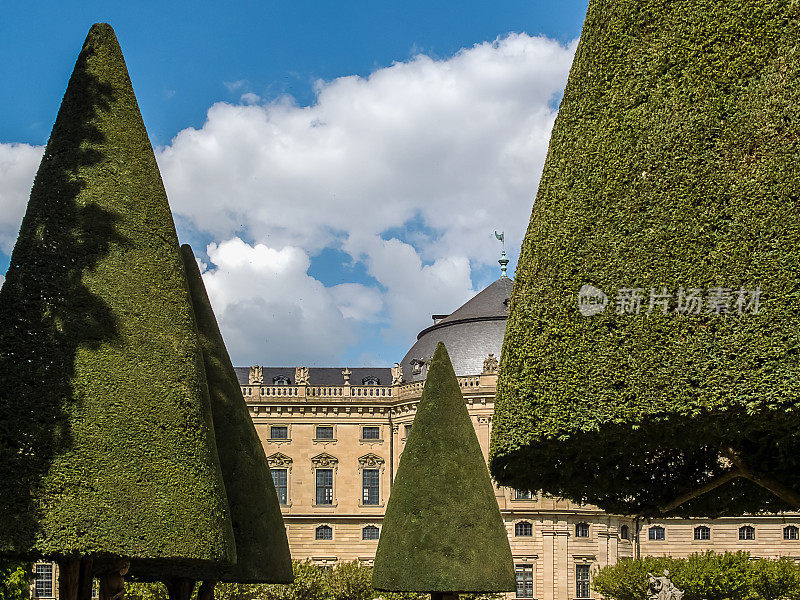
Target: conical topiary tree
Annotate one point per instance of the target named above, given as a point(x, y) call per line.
point(262, 548)
point(443, 532)
point(672, 179)
point(107, 448)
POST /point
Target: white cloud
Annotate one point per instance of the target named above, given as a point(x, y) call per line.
point(413, 291)
point(457, 143)
point(409, 170)
point(455, 146)
point(18, 164)
point(2, 280)
point(270, 310)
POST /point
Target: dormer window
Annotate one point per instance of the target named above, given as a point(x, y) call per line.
point(370, 380)
point(416, 366)
point(281, 380)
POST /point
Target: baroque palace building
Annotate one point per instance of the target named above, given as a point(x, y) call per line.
point(334, 436)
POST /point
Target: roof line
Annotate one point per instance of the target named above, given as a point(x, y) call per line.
point(458, 321)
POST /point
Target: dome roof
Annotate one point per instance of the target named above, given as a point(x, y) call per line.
point(470, 333)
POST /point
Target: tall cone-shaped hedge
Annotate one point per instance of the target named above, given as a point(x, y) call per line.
point(443, 531)
point(106, 439)
point(674, 165)
point(262, 548)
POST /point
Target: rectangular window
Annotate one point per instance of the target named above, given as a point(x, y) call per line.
point(324, 432)
point(582, 581)
point(280, 478)
point(522, 495)
point(324, 486)
point(656, 533)
point(371, 485)
point(279, 432)
point(408, 429)
point(44, 580)
point(524, 581)
point(370, 433)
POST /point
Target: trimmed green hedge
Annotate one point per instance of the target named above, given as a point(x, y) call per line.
point(106, 439)
point(443, 531)
point(704, 576)
point(673, 162)
point(262, 549)
point(344, 581)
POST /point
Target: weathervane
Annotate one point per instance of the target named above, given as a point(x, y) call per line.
point(503, 260)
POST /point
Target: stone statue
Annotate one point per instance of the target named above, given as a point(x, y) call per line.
point(301, 376)
point(397, 374)
point(490, 364)
point(346, 373)
point(256, 376)
point(661, 588)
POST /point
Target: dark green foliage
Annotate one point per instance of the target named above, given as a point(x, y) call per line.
point(15, 580)
point(673, 162)
point(707, 576)
point(262, 549)
point(344, 581)
point(106, 440)
point(442, 531)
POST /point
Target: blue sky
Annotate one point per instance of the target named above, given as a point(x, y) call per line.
point(339, 167)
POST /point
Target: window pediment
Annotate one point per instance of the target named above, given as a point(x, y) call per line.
point(324, 460)
point(279, 460)
point(371, 461)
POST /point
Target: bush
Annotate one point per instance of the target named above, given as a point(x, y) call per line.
point(344, 581)
point(707, 576)
point(15, 580)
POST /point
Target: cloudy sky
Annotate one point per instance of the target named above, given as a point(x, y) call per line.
point(339, 173)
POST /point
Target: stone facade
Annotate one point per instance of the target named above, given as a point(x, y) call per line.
point(554, 542)
point(333, 439)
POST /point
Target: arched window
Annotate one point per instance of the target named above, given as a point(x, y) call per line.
point(324, 532)
point(281, 380)
point(790, 532)
point(370, 380)
point(656, 533)
point(523, 529)
point(370, 532)
point(582, 530)
point(701, 532)
point(623, 532)
point(747, 532)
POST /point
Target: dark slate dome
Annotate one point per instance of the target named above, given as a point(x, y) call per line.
point(470, 333)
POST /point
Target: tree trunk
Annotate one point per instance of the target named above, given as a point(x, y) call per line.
point(112, 583)
point(206, 591)
point(85, 579)
point(179, 588)
point(444, 596)
point(68, 578)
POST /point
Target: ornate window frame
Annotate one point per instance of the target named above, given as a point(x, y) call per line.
point(521, 495)
point(318, 526)
point(698, 531)
point(372, 461)
point(747, 527)
point(370, 526)
point(323, 460)
point(521, 524)
point(279, 460)
point(377, 440)
point(319, 440)
point(653, 528)
point(279, 440)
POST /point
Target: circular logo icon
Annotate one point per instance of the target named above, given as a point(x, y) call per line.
point(591, 301)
